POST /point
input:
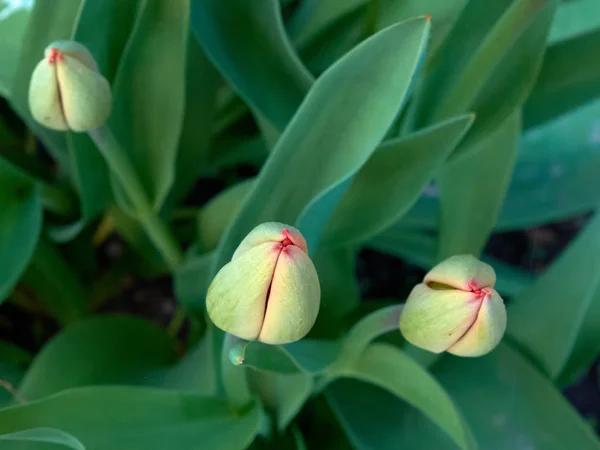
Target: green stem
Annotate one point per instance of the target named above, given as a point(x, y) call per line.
point(121, 166)
point(234, 375)
point(57, 200)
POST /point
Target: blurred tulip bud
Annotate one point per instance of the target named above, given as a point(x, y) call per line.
point(269, 291)
point(66, 91)
point(455, 309)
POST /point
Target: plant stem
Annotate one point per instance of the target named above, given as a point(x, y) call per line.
point(176, 322)
point(234, 376)
point(121, 166)
point(57, 200)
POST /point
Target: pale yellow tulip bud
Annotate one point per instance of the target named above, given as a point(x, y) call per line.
point(66, 91)
point(270, 290)
point(455, 309)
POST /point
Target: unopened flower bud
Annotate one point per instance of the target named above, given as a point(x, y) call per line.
point(455, 309)
point(66, 91)
point(270, 290)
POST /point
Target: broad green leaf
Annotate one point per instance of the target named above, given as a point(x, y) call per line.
point(568, 79)
point(130, 418)
point(48, 22)
point(305, 356)
point(573, 18)
point(44, 435)
point(443, 16)
point(340, 293)
point(13, 23)
point(100, 350)
point(388, 368)
point(56, 284)
point(277, 85)
point(220, 211)
point(391, 181)
point(557, 167)
point(333, 134)
point(88, 167)
point(284, 394)
point(149, 93)
point(201, 81)
point(472, 189)
point(561, 296)
point(194, 372)
point(497, 76)
point(20, 223)
point(192, 280)
point(507, 403)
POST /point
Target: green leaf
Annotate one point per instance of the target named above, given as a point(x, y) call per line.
point(56, 284)
point(48, 22)
point(284, 394)
point(191, 281)
point(472, 190)
point(194, 372)
point(20, 223)
point(129, 418)
point(100, 350)
point(498, 75)
point(215, 216)
point(574, 276)
point(334, 132)
point(45, 435)
point(13, 23)
point(312, 17)
point(568, 79)
point(201, 82)
point(88, 167)
point(443, 16)
point(307, 356)
point(277, 85)
point(340, 293)
point(507, 403)
point(149, 93)
point(388, 368)
point(573, 18)
point(391, 181)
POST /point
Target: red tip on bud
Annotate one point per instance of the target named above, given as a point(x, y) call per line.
point(427, 16)
point(287, 238)
point(54, 56)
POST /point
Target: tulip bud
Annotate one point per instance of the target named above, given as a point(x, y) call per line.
point(455, 309)
point(66, 91)
point(269, 291)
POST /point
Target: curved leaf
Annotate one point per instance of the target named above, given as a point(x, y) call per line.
point(149, 93)
point(13, 23)
point(561, 296)
point(129, 418)
point(508, 404)
point(20, 224)
point(472, 190)
point(334, 132)
point(101, 350)
point(391, 181)
point(387, 367)
point(277, 85)
point(46, 435)
point(568, 79)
